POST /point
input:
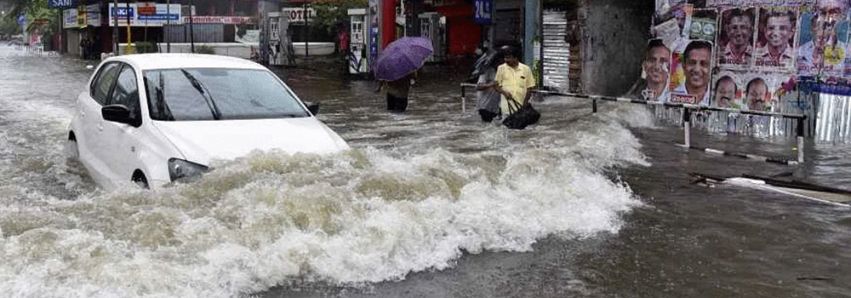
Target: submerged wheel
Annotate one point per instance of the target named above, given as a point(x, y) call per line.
point(140, 180)
point(72, 150)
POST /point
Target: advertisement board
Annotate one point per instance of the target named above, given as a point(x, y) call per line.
point(162, 15)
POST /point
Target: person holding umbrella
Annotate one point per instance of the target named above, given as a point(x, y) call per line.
point(487, 97)
point(397, 65)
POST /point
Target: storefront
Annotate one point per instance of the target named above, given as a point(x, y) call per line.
point(81, 26)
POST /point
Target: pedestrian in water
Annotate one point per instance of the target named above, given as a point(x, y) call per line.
point(397, 92)
point(487, 96)
point(514, 80)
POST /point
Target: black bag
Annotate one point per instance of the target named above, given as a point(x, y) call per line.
point(520, 116)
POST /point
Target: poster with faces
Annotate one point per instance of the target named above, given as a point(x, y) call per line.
point(690, 73)
point(736, 41)
point(727, 91)
point(759, 92)
point(822, 44)
point(775, 46)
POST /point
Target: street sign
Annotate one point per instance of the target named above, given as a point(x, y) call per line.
point(483, 14)
point(61, 3)
point(22, 19)
point(147, 8)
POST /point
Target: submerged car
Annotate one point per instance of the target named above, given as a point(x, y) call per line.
point(153, 119)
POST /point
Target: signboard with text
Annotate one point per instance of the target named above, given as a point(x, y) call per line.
point(229, 20)
point(69, 18)
point(162, 15)
point(483, 13)
point(61, 3)
point(297, 15)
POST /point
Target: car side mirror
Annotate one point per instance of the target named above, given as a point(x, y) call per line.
point(117, 113)
point(312, 107)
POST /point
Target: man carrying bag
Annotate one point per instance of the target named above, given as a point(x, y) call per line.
point(514, 80)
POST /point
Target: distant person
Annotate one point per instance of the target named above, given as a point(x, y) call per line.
point(397, 93)
point(756, 92)
point(656, 67)
point(697, 57)
point(738, 31)
point(514, 80)
point(725, 92)
point(487, 96)
point(778, 33)
point(85, 46)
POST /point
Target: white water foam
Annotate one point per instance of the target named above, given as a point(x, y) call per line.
point(363, 216)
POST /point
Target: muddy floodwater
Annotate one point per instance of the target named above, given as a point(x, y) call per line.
point(431, 203)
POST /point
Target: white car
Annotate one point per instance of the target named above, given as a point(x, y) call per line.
point(153, 119)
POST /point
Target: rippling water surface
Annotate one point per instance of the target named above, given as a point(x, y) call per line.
point(429, 203)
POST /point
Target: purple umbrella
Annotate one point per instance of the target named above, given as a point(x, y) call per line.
point(402, 57)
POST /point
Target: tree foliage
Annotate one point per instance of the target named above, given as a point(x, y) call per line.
point(331, 13)
point(33, 9)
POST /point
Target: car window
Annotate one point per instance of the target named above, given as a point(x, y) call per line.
point(218, 94)
point(103, 83)
point(126, 91)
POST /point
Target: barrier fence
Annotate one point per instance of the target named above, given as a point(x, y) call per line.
point(688, 111)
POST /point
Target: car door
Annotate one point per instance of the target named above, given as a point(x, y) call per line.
point(122, 138)
point(90, 138)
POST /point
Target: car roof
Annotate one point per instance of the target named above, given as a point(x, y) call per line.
point(171, 61)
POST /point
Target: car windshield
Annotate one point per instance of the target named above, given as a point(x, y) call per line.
point(218, 94)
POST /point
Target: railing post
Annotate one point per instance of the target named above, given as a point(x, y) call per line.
point(800, 136)
point(687, 127)
point(463, 99)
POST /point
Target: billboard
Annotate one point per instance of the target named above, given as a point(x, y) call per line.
point(164, 14)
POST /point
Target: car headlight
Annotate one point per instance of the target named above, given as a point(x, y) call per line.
point(185, 171)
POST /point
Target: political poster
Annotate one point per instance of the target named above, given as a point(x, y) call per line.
point(736, 41)
point(690, 73)
point(727, 91)
point(823, 45)
point(775, 46)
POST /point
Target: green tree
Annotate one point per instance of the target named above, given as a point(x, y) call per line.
point(329, 13)
point(34, 9)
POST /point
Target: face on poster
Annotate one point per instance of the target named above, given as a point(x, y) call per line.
point(737, 36)
point(757, 95)
point(655, 68)
point(775, 42)
point(690, 73)
point(823, 43)
point(726, 92)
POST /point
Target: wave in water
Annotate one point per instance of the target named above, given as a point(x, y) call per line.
point(367, 215)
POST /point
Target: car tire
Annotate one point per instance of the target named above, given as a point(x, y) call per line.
point(140, 180)
point(72, 150)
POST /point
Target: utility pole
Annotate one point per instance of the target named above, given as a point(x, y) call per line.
point(191, 26)
point(114, 13)
point(167, 25)
point(127, 50)
point(306, 30)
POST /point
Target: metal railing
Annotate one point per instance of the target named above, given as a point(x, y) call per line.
point(688, 110)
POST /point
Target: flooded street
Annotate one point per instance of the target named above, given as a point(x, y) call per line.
point(431, 203)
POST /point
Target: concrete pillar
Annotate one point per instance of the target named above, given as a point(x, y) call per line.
point(388, 22)
point(531, 16)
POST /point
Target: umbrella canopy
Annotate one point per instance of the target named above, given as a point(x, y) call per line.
point(489, 59)
point(402, 57)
